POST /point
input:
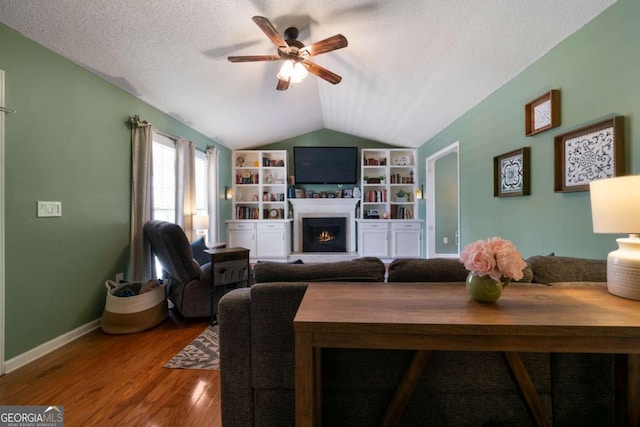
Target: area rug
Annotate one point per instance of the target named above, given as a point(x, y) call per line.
point(202, 353)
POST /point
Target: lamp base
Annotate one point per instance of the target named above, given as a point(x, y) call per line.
point(623, 269)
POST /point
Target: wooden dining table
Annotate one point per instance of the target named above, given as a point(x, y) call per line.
point(437, 316)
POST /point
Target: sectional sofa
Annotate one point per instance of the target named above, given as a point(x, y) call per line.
point(455, 389)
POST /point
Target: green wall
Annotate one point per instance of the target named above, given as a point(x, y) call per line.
point(597, 71)
point(69, 141)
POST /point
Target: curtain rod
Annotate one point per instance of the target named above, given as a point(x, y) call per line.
point(7, 110)
point(159, 132)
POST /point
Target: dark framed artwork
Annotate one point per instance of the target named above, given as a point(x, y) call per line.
point(589, 153)
point(512, 173)
point(543, 113)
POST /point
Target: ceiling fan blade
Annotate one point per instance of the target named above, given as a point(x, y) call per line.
point(282, 84)
point(253, 58)
point(327, 45)
point(322, 72)
point(267, 27)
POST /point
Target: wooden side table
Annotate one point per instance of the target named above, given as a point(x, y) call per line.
point(219, 256)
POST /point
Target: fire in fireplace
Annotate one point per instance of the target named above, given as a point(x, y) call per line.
point(325, 234)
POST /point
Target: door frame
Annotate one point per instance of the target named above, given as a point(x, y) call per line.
point(430, 186)
point(2, 213)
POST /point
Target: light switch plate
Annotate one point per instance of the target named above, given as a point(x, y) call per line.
point(48, 209)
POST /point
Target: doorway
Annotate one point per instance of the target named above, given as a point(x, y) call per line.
point(443, 203)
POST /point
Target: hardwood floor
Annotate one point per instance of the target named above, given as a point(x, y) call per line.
point(118, 380)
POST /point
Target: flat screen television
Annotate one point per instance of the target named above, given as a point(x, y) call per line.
point(325, 165)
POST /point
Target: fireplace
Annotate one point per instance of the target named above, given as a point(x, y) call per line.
point(323, 208)
point(324, 234)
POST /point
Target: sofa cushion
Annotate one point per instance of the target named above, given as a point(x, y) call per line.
point(368, 269)
point(427, 270)
point(434, 270)
point(550, 269)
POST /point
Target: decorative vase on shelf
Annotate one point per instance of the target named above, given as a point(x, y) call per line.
point(483, 288)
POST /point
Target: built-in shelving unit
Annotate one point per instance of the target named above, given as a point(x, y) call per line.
point(387, 225)
point(388, 184)
point(260, 184)
point(260, 207)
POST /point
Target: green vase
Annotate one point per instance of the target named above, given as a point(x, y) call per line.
point(484, 288)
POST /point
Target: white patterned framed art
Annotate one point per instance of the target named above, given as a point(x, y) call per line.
point(589, 153)
point(543, 113)
point(511, 173)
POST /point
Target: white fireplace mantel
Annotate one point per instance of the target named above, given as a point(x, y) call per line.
point(318, 208)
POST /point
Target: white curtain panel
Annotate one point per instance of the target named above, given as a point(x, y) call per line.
point(185, 185)
point(141, 258)
point(213, 157)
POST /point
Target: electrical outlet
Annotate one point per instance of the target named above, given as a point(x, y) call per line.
point(445, 240)
point(119, 277)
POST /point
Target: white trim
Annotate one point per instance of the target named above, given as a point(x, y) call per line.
point(47, 347)
point(430, 197)
point(2, 204)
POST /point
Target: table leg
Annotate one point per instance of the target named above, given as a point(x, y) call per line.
point(527, 388)
point(305, 366)
point(405, 388)
point(627, 368)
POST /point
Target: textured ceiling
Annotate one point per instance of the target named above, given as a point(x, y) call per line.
point(411, 68)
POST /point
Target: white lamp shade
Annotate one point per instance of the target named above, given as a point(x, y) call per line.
point(286, 70)
point(200, 222)
point(615, 204)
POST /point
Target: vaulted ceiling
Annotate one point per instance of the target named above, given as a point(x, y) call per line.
point(411, 67)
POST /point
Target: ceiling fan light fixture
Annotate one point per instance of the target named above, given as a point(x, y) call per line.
point(295, 54)
point(293, 72)
point(286, 70)
point(299, 73)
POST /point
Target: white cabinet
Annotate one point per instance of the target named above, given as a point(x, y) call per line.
point(373, 239)
point(243, 235)
point(406, 239)
point(390, 239)
point(264, 239)
point(273, 239)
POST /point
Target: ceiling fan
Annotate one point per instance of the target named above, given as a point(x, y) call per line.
point(295, 54)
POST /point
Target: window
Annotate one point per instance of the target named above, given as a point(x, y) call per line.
point(164, 182)
point(164, 179)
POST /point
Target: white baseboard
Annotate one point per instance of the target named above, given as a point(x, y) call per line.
point(49, 346)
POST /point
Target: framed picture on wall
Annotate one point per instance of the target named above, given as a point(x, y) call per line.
point(511, 173)
point(542, 113)
point(589, 153)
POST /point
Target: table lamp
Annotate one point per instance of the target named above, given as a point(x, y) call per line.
point(615, 208)
point(201, 225)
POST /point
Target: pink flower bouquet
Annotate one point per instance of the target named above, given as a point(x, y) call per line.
point(495, 257)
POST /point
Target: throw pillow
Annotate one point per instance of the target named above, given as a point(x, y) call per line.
point(198, 248)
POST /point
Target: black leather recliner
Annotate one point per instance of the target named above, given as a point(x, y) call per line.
point(189, 285)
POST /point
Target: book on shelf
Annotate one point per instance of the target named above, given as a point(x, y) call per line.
point(376, 196)
point(245, 212)
point(401, 212)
